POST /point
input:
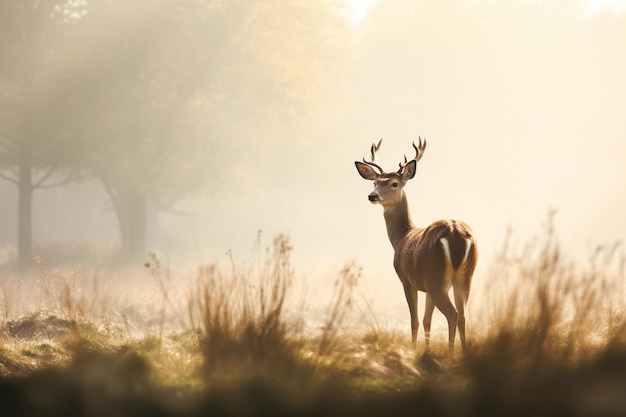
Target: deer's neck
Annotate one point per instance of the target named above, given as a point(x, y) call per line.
point(398, 220)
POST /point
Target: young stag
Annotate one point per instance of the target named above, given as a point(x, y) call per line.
point(430, 259)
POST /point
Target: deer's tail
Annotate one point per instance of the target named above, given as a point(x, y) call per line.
point(461, 252)
point(457, 244)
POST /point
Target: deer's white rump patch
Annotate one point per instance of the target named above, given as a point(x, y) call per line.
point(446, 250)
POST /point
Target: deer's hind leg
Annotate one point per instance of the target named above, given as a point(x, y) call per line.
point(460, 298)
point(441, 300)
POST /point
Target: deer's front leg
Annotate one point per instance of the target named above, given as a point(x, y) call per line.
point(428, 316)
point(411, 298)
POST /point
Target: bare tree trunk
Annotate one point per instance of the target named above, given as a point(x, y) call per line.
point(25, 212)
point(132, 216)
point(137, 228)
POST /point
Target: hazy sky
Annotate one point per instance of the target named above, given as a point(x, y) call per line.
point(524, 123)
point(522, 115)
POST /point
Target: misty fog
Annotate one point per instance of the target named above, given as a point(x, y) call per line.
point(185, 127)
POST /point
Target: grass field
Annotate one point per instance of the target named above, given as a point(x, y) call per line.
point(549, 338)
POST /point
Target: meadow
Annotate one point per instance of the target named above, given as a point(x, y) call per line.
point(547, 336)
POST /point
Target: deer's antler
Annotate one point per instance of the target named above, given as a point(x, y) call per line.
point(374, 151)
point(419, 152)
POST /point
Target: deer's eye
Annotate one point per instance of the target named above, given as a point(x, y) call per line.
point(394, 185)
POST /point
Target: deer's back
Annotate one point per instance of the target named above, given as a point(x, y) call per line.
point(424, 254)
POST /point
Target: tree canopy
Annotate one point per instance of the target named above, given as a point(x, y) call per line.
point(163, 99)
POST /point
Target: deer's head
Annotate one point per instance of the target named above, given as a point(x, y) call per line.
point(388, 185)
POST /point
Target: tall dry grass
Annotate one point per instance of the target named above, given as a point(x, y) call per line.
point(553, 326)
point(74, 295)
point(540, 301)
point(239, 316)
point(338, 308)
point(549, 340)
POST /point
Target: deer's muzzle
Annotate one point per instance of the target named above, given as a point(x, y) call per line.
point(373, 197)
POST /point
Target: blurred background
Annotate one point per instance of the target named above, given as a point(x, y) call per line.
point(183, 127)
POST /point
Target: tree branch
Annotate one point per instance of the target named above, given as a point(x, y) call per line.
point(69, 178)
point(39, 182)
point(8, 178)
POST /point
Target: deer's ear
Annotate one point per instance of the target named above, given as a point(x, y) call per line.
point(366, 171)
point(409, 170)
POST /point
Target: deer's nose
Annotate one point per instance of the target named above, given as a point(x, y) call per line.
point(373, 197)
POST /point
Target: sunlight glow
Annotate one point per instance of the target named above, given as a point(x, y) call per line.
point(593, 7)
point(360, 9)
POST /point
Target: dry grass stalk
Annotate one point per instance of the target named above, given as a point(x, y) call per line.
point(240, 317)
point(339, 306)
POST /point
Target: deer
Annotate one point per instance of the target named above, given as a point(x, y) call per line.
point(431, 259)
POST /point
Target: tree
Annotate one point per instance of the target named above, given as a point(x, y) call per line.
point(158, 100)
point(35, 147)
point(189, 93)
